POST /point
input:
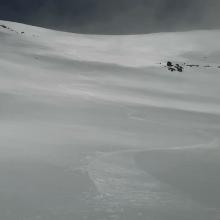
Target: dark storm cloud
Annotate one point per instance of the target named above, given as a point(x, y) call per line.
point(114, 16)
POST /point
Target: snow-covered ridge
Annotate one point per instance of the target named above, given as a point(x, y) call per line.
point(131, 50)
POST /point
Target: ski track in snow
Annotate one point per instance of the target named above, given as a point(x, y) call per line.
point(121, 184)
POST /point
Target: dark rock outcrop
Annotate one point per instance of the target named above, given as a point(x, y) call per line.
point(175, 67)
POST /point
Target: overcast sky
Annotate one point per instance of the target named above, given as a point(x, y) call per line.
point(114, 16)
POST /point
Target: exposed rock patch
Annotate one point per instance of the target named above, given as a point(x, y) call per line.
point(180, 68)
point(174, 67)
point(192, 65)
point(10, 29)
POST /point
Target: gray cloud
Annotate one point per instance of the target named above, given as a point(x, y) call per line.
point(114, 16)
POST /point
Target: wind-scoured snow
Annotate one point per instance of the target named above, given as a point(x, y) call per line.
point(96, 127)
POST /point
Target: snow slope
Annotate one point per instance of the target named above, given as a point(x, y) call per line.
point(96, 127)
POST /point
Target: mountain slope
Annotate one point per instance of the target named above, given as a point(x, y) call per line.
point(97, 127)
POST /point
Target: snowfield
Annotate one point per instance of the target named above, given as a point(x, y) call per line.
point(96, 127)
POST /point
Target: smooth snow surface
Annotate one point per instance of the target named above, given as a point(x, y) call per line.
point(95, 127)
